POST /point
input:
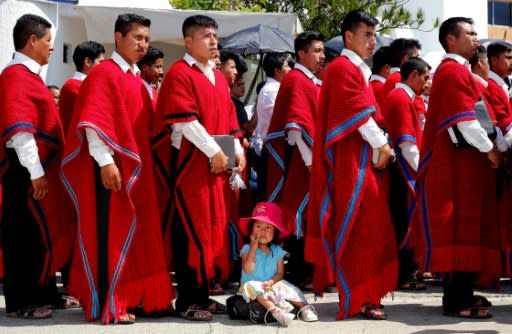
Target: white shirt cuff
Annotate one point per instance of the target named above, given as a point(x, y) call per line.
point(238, 147)
point(508, 138)
point(372, 134)
point(475, 135)
point(295, 137)
point(197, 135)
point(411, 154)
point(101, 153)
point(25, 146)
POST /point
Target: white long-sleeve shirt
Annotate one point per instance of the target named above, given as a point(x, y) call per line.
point(370, 131)
point(472, 131)
point(409, 150)
point(193, 130)
point(24, 143)
point(294, 137)
point(101, 153)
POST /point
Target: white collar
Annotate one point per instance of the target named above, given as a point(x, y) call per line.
point(149, 88)
point(79, 76)
point(358, 61)
point(394, 69)
point(116, 57)
point(192, 61)
point(481, 80)
point(459, 59)
point(308, 74)
point(407, 88)
point(496, 78)
point(376, 77)
point(23, 59)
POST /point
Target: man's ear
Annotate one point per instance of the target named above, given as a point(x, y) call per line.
point(32, 40)
point(188, 42)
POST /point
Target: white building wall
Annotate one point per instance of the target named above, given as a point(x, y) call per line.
point(444, 9)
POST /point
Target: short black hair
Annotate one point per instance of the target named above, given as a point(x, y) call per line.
point(150, 57)
point(451, 27)
point(481, 52)
point(354, 18)
point(401, 47)
point(241, 65)
point(196, 21)
point(52, 87)
point(495, 49)
point(124, 22)
point(380, 59)
point(273, 61)
point(304, 40)
point(411, 65)
point(88, 49)
point(26, 26)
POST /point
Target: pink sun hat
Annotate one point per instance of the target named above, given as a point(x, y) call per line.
point(266, 212)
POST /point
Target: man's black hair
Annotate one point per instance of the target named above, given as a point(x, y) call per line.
point(150, 57)
point(380, 59)
point(495, 49)
point(451, 27)
point(89, 49)
point(273, 61)
point(401, 47)
point(26, 26)
point(481, 52)
point(413, 64)
point(304, 40)
point(124, 22)
point(353, 19)
point(196, 21)
point(241, 65)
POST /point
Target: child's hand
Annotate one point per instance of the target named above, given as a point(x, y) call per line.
point(267, 285)
point(254, 240)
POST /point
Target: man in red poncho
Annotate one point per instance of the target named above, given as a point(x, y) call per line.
point(350, 236)
point(404, 129)
point(380, 72)
point(85, 57)
point(108, 171)
point(37, 221)
point(455, 239)
point(289, 144)
point(194, 104)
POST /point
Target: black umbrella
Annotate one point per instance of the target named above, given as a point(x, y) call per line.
point(257, 40)
point(336, 43)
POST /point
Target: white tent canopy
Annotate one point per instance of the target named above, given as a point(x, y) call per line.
point(166, 23)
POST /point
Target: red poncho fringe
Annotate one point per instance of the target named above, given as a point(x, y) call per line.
point(195, 193)
point(350, 236)
point(114, 104)
point(27, 106)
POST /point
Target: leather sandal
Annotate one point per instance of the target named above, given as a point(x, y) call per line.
point(34, 312)
point(373, 312)
point(196, 313)
point(471, 313)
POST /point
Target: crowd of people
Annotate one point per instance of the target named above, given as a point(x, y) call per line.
point(350, 178)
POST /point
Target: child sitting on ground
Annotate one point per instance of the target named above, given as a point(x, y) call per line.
point(263, 267)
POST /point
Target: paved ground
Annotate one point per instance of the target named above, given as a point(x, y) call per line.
point(408, 313)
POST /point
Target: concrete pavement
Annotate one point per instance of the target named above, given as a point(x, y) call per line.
point(408, 313)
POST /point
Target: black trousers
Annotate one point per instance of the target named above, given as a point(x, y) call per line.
point(458, 291)
point(24, 251)
point(102, 218)
point(399, 210)
point(189, 290)
point(297, 270)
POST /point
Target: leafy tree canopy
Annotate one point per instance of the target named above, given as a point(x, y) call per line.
point(324, 16)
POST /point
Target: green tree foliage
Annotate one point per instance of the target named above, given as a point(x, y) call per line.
point(324, 16)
